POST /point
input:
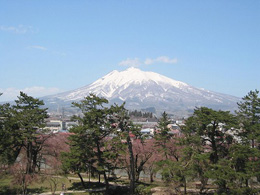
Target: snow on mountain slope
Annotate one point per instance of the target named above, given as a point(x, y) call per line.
point(148, 89)
point(115, 82)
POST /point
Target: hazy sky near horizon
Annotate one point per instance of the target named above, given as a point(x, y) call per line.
point(50, 46)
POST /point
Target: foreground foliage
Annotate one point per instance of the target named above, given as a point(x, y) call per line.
point(220, 146)
point(215, 149)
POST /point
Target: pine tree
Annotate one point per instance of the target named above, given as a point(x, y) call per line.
point(10, 142)
point(30, 118)
point(206, 144)
point(193, 153)
point(211, 126)
point(22, 135)
point(174, 165)
point(249, 115)
point(126, 127)
point(163, 136)
point(81, 157)
point(89, 139)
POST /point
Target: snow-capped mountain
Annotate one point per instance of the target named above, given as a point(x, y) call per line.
point(141, 89)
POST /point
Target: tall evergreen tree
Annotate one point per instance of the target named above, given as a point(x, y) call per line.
point(10, 143)
point(163, 135)
point(127, 127)
point(193, 152)
point(94, 127)
point(249, 115)
point(207, 144)
point(247, 160)
point(211, 126)
point(81, 157)
point(174, 165)
point(30, 118)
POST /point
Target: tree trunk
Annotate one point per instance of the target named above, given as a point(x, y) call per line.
point(253, 143)
point(151, 177)
point(137, 170)
point(128, 172)
point(82, 181)
point(106, 181)
point(24, 185)
point(29, 158)
point(34, 160)
point(100, 160)
point(137, 176)
point(89, 174)
point(214, 148)
point(185, 186)
point(247, 183)
point(132, 166)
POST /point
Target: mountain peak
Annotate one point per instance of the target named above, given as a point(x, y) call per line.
point(142, 89)
point(132, 68)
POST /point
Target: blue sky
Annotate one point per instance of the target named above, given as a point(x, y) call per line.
point(52, 46)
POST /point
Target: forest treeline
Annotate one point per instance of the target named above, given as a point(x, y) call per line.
point(214, 148)
point(140, 114)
